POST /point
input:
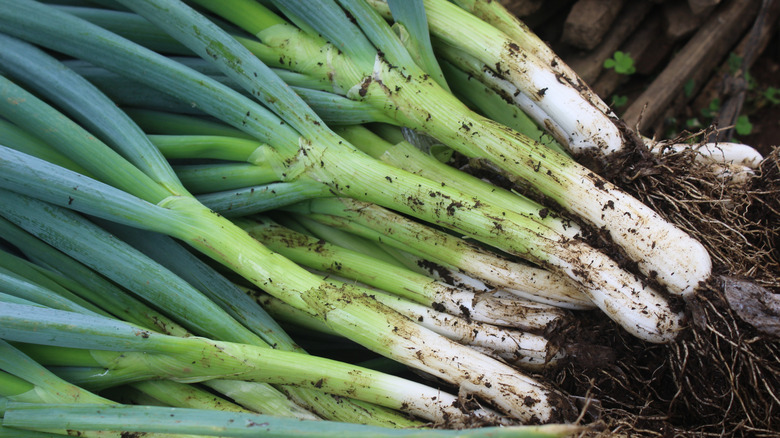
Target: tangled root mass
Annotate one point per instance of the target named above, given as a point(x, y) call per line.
point(722, 377)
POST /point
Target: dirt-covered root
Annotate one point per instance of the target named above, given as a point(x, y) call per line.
point(728, 371)
point(736, 221)
point(722, 376)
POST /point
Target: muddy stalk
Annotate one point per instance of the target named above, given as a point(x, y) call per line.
point(499, 17)
point(327, 158)
point(439, 248)
point(531, 351)
point(124, 353)
point(661, 250)
point(526, 350)
point(321, 255)
point(527, 63)
point(355, 315)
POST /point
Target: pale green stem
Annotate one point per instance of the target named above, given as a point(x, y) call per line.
point(199, 422)
point(335, 236)
point(256, 199)
point(160, 122)
point(209, 178)
point(385, 226)
point(496, 106)
point(181, 395)
point(405, 156)
point(322, 256)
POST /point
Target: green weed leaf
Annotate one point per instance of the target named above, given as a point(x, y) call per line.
point(622, 62)
point(688, 87)
point(712, 110)
point(772, 94)
point(743, 125)
point(734, 62)
point(618, 101)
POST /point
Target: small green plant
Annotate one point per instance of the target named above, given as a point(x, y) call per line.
point(688, 87)
point(712, 110)
point(743, 125)
point(619, 101)
point(752, 83)
point(693, 123)
point(622, 62)
point(734, 62)
point(772, 95)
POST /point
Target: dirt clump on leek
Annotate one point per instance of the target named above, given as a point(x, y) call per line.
point(722, 376)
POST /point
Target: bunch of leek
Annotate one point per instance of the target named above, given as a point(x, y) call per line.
point(644, 312)
point(289, 144)
point(366, 61)
point(147, 194)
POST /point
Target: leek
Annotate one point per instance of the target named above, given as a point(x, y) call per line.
point(379, 224)
point(145, 419)
point(307, 147)
point(134, 353)
point(661, 250)
point(320, 255)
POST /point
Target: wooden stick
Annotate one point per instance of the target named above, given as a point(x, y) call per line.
point(702, 53)
point(735, 84)
point(589, 65)
point(680, 20)
point(699, 6)
point(637, 45)
point(588, 21)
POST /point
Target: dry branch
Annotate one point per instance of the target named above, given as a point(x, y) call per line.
point(702, 53)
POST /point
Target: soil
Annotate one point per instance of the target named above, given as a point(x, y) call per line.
point(722, 377)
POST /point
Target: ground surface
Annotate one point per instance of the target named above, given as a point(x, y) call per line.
point(722, 378)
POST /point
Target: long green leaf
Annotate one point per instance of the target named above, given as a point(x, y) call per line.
point(36, 117)
point(93, 287)
point(338, 110)
point(233, 424)
point(16, 138)
point(23, 173)
point(209, 41)
point(45, 26)
point(218, 177)
point(41, 277)
point(50, 388)
point(219, 289)
point(40, 325)
point(45, 75)
point(126, 266)
point(410, 14)
point(256, 199)
point(23, 288)
point(377, 31)
point(130, 26)
point(335, 25)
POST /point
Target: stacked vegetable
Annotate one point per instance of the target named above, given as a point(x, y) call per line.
point(302, 148)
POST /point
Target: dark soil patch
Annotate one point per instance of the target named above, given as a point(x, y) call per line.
point(722, 377)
